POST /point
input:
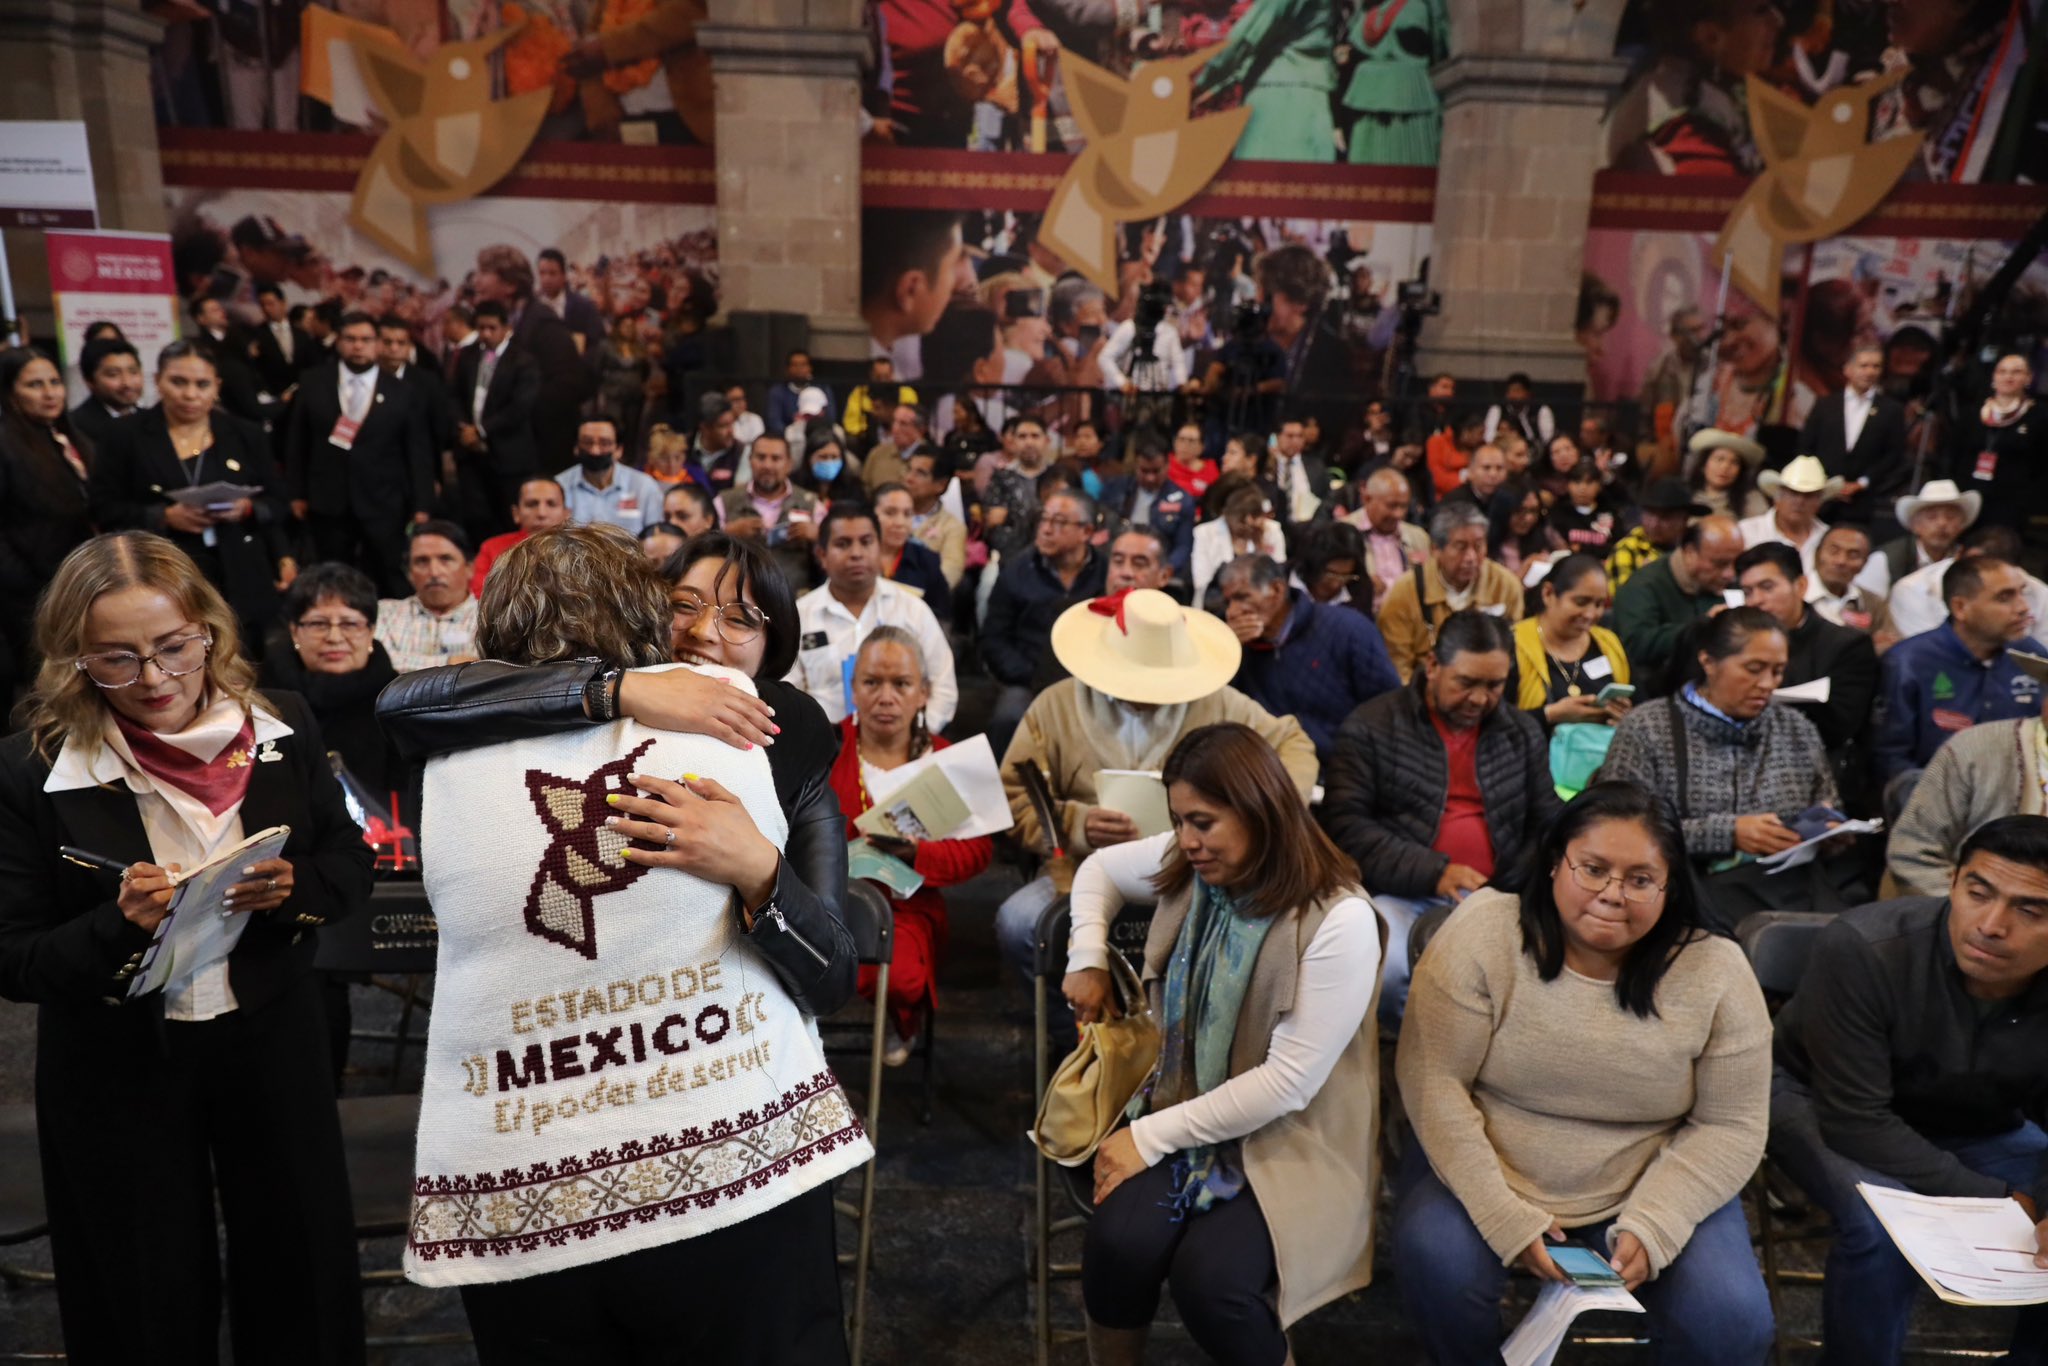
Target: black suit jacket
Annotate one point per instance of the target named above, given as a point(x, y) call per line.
point(238, 382)
point(436, 406)
point(565, 382)
point(1821, 649)
point(1879, 456)
point(63, 940)
point(137, 470)
point(507, 425)
point(384, 477)
point(92, 421)
point(277, 373)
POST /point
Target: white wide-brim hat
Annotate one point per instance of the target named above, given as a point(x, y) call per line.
point(1804, 475)
point(1933, 494)
point(1142, 646)
point(1714, 439)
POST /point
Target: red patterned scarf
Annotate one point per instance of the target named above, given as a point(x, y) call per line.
point(219, 782)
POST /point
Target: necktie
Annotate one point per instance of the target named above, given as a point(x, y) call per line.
point(355, 396)
point(283, 332)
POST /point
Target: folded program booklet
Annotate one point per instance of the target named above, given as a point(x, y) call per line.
point(196, 932)
point(1137, 793)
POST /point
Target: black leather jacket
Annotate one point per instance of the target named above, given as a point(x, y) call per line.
point(434, 711)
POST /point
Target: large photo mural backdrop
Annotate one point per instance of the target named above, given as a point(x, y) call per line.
point(615, 70)
point(1323, 80)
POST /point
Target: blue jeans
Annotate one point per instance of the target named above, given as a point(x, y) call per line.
point(1708, 1308)
point(1400, 913)
point(1017, 925)
point(1867, 1297)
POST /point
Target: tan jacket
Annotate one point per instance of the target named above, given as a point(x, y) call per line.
point(1315, 1171)
point(947, 534)
point(1409, 624)
point(884, 465)
point(1051, 735)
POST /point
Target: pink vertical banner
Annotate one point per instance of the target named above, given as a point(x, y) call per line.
point(125, 278)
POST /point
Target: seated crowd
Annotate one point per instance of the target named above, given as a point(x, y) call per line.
point(1554, 723)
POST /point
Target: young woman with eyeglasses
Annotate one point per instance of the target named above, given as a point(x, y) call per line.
point(1584, 1062)
point(148, 745)
point(732, 607)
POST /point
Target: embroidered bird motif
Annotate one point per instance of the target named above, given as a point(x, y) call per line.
point(1821, 174)
point(447, 138)
point(1146, 154)
point(584, 858)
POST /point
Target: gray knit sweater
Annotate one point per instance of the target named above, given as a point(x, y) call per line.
point(1983, 773)
point(1774, 763)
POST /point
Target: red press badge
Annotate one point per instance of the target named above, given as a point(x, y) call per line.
point(344, 433)
point(629, 502)
point(1944, 719)
point(1987, 465)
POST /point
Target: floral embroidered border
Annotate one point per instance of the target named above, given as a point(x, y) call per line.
point(637, 1182)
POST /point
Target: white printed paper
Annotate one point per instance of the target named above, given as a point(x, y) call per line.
point(1542, 1330)
point(971, 766)
point(1971, 1251)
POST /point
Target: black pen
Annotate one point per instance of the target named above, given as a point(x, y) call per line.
point(85, 858)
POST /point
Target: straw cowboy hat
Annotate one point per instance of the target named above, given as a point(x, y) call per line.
point(1714, 439)
point(1804, 475)
point(1935, 493)
point(1142, 646)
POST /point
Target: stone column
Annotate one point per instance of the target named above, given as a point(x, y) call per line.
point(84, 60)
point(1522, 140)
point(788, 143)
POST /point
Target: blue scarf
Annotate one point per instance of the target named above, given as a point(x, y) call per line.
point(1206, 979)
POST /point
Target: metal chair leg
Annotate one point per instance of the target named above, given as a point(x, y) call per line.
point(1767, 1235)
point(931, 1034)
point(864, 1246)
point(400, 1035)
point(1041, 1223)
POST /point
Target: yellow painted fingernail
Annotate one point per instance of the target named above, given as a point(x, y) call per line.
point(692, 778)
point(611, 799)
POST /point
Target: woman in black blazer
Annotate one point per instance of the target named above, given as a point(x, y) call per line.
point(186, 442)
point(147, 744)
point(43, 510)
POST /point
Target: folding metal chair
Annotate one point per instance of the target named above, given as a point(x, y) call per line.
point(394, 937)
point(22, 1216)
point(1049, 965)
point(1779, 944)
point(872, 923)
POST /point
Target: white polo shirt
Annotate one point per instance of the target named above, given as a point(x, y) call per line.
point(831, 635)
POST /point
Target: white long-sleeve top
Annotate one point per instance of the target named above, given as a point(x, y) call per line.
point(1330, 1000)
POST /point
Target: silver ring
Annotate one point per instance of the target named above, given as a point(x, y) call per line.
point(671, 841)
point(270, 886)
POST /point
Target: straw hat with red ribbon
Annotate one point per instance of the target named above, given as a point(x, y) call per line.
point(1142, 646)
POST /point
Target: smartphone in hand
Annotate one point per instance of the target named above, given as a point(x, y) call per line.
point(1583, 1266)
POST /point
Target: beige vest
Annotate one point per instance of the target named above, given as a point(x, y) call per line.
point(1316, 1172)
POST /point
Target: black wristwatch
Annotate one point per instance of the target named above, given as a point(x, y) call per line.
point(601, 695)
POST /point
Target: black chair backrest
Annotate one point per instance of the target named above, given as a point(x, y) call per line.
point(870, 919)
point(1423, 930)
point(1779, 945)
point(1049, 952)
point(395, 934)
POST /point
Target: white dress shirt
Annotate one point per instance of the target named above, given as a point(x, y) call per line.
point(1324, 1017)
point(179, 827)
point(1762, 529)
point(1876, 576)
point(831, 635)
point(486, 356)
point(1170, 370)
point(1917, 604)
point(282, 330)
point(1855, 412)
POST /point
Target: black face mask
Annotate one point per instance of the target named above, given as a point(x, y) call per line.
point(593, 464)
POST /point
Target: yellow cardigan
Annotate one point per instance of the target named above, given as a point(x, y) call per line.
point(1532, 661)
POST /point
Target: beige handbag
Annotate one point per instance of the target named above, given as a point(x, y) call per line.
point(1087, 1095)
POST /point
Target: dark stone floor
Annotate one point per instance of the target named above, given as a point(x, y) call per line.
point(952, 1210)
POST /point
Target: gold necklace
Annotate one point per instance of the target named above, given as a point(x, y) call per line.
point(198, 444)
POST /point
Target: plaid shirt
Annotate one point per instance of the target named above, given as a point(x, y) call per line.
point(1631, 552)
point(417, 639)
